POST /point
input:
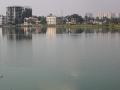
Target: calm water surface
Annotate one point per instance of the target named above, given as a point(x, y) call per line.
point(59, 59)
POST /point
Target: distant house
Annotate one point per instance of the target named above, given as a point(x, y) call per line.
point(74, 19)
point(51, 20)
point(31, 20)
point(71, 21)
point(60, 20)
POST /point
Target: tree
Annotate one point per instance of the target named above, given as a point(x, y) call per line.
point(42, 19)
point(78, 18)
point(88, 19)
point(74, 18)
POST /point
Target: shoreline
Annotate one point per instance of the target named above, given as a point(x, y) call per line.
point(91, 26)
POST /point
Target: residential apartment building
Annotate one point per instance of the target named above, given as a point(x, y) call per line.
point(16, 14)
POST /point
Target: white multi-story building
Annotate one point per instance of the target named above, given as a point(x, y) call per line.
point(106, 14)
point(51, 20)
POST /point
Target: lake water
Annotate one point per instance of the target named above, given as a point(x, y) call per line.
point(59, 59)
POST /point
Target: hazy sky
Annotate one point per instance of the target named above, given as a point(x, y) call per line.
point(64, 7)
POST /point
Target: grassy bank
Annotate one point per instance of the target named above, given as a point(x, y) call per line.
point(95, 26)
point(90, 26)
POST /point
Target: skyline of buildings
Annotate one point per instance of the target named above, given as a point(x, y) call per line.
point(20, 15)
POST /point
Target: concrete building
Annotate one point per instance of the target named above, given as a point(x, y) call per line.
point(27, 12)
point(109, 15)
point(2, 20)
point(16, 14)
point(51, 20)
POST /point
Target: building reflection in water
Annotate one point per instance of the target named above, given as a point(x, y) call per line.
point(28, 32)
point(19, 49)
point(17, 33)
point(1, 33)
point(22, 33)
point(51, 32)
point(38, 30)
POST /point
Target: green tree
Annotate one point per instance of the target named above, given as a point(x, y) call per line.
point(76, 17)
point(42, 19)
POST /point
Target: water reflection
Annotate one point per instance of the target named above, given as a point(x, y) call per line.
point(74, 30)
point(19, 41)
point(22, 33)
point(32, 62)
point(0, 33)
point(51, 32)
point(17, 33)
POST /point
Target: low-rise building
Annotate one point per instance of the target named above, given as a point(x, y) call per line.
point(71, 21)
point(31, 20)
point(60, 20)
